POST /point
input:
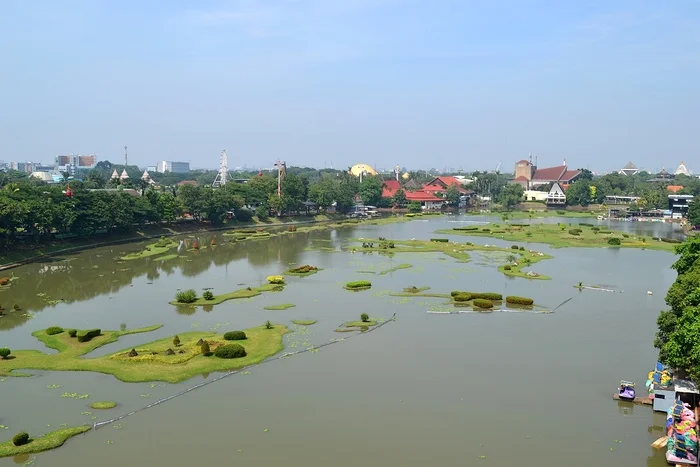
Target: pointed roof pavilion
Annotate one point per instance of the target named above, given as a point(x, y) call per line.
point(115, 175)
point(629, 169)
point(682, 169)
point(124, 175)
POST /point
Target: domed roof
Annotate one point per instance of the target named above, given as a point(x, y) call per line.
point(358, 169)
point(43, 176)
point(405, 176)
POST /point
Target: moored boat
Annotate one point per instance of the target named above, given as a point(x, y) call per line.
point(626, 391)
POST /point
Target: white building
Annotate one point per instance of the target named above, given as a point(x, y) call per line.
point(73, 162)
point(556, 196)
point(682, 170)
point(174, 167)
point(534, 195)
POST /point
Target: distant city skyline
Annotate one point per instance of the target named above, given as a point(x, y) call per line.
point(384, 82)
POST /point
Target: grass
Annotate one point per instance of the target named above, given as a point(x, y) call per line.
point(167, 257)
point(539, 214)
point(304, 322)
point(553, 235)
point(293, 272)
point(260, 344)
point(360, 324)
point(283, 306)
point(396, 268)
point(242, 293)
point(152, 249)
point(103, 405)
point(45, 442)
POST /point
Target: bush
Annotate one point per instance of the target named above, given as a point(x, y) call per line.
point(364, 317)
point(162, 243)
point(614, 241)
point(605, 231)
point(72, 332)
point(462, 297)
point(498, 231)
point(4, 280)
point(235, 336)
point(486, 230)
point(5, 352)
point(487, 296)
point(21, 438)
point(268, 325)
point(482, 303)
point(205, 348)
point(595, 228)
point(86, 336)
point(304, 269)
point(292, 228)
point(514, 247)
point(208, 295)
point(358, 285)
point(522, 248)
point(456, 292)
point(54, 330)
point(176, 341)
point(585, 224)
point(230, 351)
point(441, 240)
point(186, 296)
point(414, 207)
point(574, 232)
point(472, 228)
point(515, 300)
point(244, 215)
point(507, 267)
point(626, 235)
point(275, 280)
point(671, 240)
point(262, 213)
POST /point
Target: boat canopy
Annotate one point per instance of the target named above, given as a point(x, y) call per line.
point(627, 383)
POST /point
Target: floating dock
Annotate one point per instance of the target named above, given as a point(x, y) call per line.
point(637, 400)
point(660, 443)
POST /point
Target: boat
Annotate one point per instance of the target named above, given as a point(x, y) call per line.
point(626, 391)
point(682, 442)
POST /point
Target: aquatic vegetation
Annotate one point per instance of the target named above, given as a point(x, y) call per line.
point(414, 290)
point(396, 268)
point(235, 336)
point(361, 324)
point(302, 271)
point(238, 294)
point(304, 322)
point(103, 405)
point(42, 443)
point(282, 306)
point(54, 330)
point(186, 296)
point(207, 295)
point(275, 280)
point(515, 300)
point(167, 257)
point(230, 351)
point(358, 285)
point(154, 249)
point(482, 303)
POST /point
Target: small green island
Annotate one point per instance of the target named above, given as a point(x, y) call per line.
point(171, 359)
point(363, 324)
point(154, 249)
point(190, 297)
point(103, 405)
point(281, 306)
point(356, 286)
point(302, 271)
point(304, 322)
point(22, 443)
point(564, 235)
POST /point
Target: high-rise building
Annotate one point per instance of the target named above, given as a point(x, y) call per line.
point(174, 167)
point(72, 163)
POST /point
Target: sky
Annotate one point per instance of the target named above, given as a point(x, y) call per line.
point(440, 83)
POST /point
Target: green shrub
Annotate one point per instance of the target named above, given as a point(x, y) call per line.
point(507, 267)
point(244, 215)
point(268, 324)
point(498, 231)
point(21, 438)
point(462, 297)
point(206, 350)
point(522, 248)
point(208, 295)
point(262, 213)
point(614, 241)
point(671, 240)
point(655, 238)
point(595, 228)
point(364, 317)
point(466, 228)
point(574, 232)
point(585, 224)
point(86, 336)
point(605, 231)
point(487, 296)
point(4, 353)
point(306, 268)
point(486, 230)
point(292, 228)
point(186, 296)
point(54, 330)
point(514, 247)
point(230, 351)
point(235, 336)
point(515, 300)
point(72, 332)
point(482, 303)
point(626, 235)
point(442, 240)
point(176, 341)
point(358, 284)
point(162, 242)
point(456, 292)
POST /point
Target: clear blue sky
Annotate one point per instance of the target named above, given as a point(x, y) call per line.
point(418, 83)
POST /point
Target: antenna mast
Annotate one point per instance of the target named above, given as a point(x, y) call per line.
point(222, 175)
point(126, 158)
point(281, 172)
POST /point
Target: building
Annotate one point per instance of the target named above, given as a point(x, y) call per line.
point(682, 170)
point(72, 163)
point(663, 177)
point(174, 167)
point(152, 168)
point(529, 176)
point(629, 169)
point(674, 188)
point(29, 167)
point(439, 185)
point(556, 196)
point(534, 195)
point(360, 170)
point(425, 199)
point(678, 205)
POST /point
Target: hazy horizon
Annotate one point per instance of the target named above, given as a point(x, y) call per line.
point(384, 82)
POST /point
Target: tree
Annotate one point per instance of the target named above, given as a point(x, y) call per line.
point(4, 353)
point(371, 190)
point(414, 206)
point(585, 175)
point(364, 317)
point(579, 193)
point(295, 190)
point(452, 195)
point(168, 207)
point(323, 193)
point(511, 195)
point(176, 341)
point(193, 200)
point(205, 348)
point(399, 198)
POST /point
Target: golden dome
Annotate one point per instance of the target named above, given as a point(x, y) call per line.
point(358, 169)
point(405, 176)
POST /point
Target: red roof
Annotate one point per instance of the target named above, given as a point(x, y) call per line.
point(550, 174)
point(389, 188)
point(674, 188)
point(440, 184)
point(421, 196)
point(521, 178)
point(569, 175)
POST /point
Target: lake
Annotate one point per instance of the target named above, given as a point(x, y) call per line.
point(495, 389)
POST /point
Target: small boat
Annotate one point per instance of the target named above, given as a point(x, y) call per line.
point(626, 391)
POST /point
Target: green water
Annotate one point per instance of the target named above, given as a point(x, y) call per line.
point(494, 389)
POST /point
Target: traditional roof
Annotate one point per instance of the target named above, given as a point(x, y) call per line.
point(442, 184)
point(124, 175)
point(663, 172)
point(421, 196)
point(569, 175)
point(674, 188)
point(412, 185)
point(115, 174)
point(550, 174)
point(682, 169)
point(390, 188)
point(630, 166)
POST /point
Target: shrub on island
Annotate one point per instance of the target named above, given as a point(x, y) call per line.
point(575, 232)
point(462, 297)
point(507, 267)
point(4, 280)
point(72, 332)
point(186, 296)
point(54, 330)
point(230, 351)
point(356, 285)
point(671, 240)
point(614, 241)
point(515, 300)
point(303, 269)
point(482, 303)
point(596, 228)
point(235, 336)
point(487, 296)
point(21, 438)
point(208, 295)
point(440, 240)
point(514, 247)
point(471, 228)
point(5, 352)
point(86, 336)
point(275, 280)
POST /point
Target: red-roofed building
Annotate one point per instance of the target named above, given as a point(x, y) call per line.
point(529, 176)
point(389, 188)
point(674, 188)
point(441, 184)
point(427, 200)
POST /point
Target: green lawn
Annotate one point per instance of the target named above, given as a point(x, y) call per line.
point(152, 362)
point(282, 306)
point(45, 442)
point(242, 293)
point(553, 235)
point(154, 249)
point(304, 322)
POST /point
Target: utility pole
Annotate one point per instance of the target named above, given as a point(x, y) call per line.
point(126, 158)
